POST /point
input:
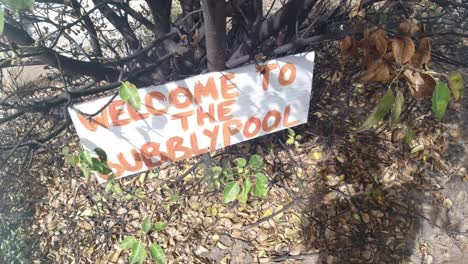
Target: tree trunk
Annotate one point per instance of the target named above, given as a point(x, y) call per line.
point(214, 14)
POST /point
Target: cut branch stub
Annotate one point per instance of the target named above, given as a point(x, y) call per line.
point(403, 49)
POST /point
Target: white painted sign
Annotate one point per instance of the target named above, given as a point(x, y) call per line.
point(189, 117)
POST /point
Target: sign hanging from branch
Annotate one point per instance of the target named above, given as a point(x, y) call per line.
point(185, 118)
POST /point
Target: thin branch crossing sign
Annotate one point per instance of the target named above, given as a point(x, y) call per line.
point(185, 118)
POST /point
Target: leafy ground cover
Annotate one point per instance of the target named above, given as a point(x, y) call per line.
point(336, 195)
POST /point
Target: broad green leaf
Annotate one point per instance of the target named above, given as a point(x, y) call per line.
point(22, 5)
point(216, 171)
point(440, 100)
point(160, 226)
point(397, 107)
point(146, 225)
point(85, 156)
point(100, 166)
point(382, 109)
point(2, 20)
point(101, 154)
point(261, 184)
point(256, 161)
point(240, 162)
point(72, 160)
point(86, 171)
point(456, 84)
point(138, 254)
point(417, 148)
point(231, 191)
point(290, 141)
point(291, 132)
point(157, 254)
point(129, 94)
point(127, 242)
point(409, 135)
point(244, 194)
point(116, 189)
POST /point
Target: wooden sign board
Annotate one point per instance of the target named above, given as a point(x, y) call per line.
point(185, 118)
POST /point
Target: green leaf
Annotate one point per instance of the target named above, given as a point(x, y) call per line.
point(86, 172)
point(127, 242)
point(101, 154)
point(138, 254)
point(231, 191)
point(116, 189)
point(146, 225)
point(397, 107)
point(65, 150)
point(2, 20)
point(22, 5)
point(100, 166)
point(456, 84)
point(157, 254)
point(261, 184)
point(291, 132)
point(290, 141)
point(216, 171)
point(160, 226)
point(256, 161)
point(129, 94)
point(409, 135)
point(417, 148)
point(440, 100)
point(85, 156)
point(240, 162)
point(244, 194)
point(380, 111)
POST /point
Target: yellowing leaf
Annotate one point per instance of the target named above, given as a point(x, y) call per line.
point(417, 148)
point(456, 84)
point(365, 218)
point(317, 155)
point(380, 111)
point(267, 212)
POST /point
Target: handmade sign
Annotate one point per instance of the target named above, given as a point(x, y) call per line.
point(181, 119)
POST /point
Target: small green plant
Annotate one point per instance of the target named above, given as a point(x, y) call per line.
point(293, 139)
point(88, 164)
point(241, 180)
point(139, 248)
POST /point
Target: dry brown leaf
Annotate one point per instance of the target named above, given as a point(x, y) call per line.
point(421, 85)
point(347, 46)
point(423, 54)
point(403, 49)
point(410, 26)
point(379, 40)
point(378, 71)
